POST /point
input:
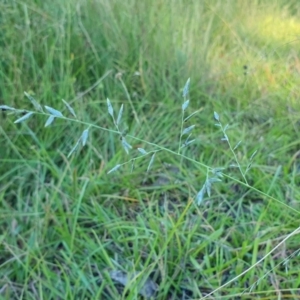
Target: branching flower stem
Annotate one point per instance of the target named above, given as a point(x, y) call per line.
point(161, 148)
point(225, 138)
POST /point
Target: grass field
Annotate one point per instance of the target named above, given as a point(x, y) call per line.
point(70, 230)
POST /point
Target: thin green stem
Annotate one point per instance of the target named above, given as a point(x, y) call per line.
point(234, 155)
point(129, 100)
point(181, 127)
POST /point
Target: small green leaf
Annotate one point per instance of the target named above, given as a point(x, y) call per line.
point(214, 179)
point(49, 121)
point(84, 137)
point(216, 116)
point(191, 115)
point(235, 147)
point(110, 108)
point(186, 88)
point(188, 129)
point(5, 107)
point(36, 105)
point(185, 105)
point(186, 143)
point(53, 111)
point(114, 169)
point(151, 162)
point(125, 145)
point(252, 156)
point(71, 110)
point(208, 187)
point(74, 148)
point(25, 117)
point(218, 171)
point(120, 115)
point(143, 151)
point(200, 195)
point(225, 138)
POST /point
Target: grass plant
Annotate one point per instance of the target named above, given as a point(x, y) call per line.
point(134, 186)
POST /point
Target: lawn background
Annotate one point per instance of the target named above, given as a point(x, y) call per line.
point(65, 223)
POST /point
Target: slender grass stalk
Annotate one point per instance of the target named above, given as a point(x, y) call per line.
point(157, 149)
point(226, 138)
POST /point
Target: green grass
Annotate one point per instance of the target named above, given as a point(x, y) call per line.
point(65, 223)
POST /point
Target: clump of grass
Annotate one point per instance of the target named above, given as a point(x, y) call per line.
point(213, 174)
